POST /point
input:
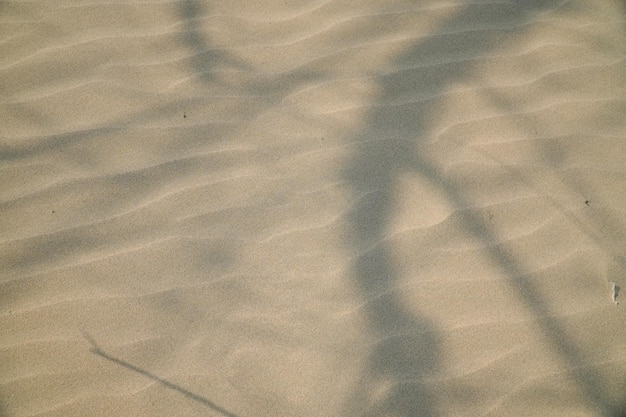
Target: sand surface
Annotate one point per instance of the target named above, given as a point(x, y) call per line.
point(312, 208)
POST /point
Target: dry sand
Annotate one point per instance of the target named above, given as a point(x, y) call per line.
point(312, 208)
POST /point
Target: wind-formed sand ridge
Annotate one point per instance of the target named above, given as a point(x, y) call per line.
point(318, 208)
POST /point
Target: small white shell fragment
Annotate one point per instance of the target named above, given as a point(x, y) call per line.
point(614, 291)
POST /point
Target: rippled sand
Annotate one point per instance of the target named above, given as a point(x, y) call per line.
point(322, 208)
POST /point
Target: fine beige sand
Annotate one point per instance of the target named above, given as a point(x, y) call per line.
point(312, 208)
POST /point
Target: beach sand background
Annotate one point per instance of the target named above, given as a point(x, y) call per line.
point(312, 208)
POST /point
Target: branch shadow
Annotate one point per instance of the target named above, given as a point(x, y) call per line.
point(553, 154)
point(205, 64)
point(97, 350)
point(208, 59)
point(205, 59)
point(389, 146)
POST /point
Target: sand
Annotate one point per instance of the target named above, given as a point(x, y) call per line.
point(312, 208)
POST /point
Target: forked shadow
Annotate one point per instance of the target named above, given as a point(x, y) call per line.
point(390, 145)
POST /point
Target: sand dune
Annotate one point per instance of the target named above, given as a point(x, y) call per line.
point(322, 208)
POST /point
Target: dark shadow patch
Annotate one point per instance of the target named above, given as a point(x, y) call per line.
point(407, 345)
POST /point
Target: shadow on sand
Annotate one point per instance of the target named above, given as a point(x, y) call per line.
point(406, 346)
point(96, 349)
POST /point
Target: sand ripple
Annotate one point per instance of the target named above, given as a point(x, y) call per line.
point(322, 208)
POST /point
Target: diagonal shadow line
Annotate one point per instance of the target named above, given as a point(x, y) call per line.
point(588, 380)
point(96, 349)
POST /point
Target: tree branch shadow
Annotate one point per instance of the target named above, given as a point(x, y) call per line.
point(380, 155)
point(97, 350)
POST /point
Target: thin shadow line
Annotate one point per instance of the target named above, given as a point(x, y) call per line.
point(98, 351)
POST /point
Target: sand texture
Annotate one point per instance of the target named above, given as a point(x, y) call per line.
point(312, 208)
